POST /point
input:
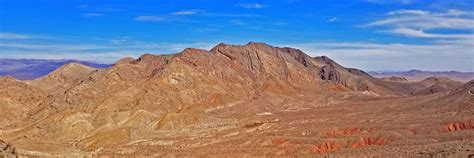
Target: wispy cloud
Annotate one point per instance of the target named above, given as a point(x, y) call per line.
point(14, 36)
point(206, 29)
point(428, 25)
point(390, 56)
point(418, 19)
point(232, 15)
point(149, 18)
point(252, 5)
point(263, 28)
point(404, 12)
point(237, 22)
point(99, 8)
point(184, 16)
point(448, 42)
point(186, 12)
point(333, 19)
point(260, 26)
point(120, 40)
point(392, 1)
point(174, 16)
point(420, 33)
point(92, 14)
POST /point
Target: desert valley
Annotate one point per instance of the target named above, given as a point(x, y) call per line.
point(233, 100)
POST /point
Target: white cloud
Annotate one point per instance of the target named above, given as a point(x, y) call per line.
point(150, 18)
point(179, 16)
point(237, 22)
point(186, 12)
point(232, 15)
point(392, 1)
point(403, 11)
point(418, 19)
point(14, 36)
point(252, 5)
point(469, 42)
point(206, 29)
point(455, 12)
point(443, 55)
point(420, 33)
point(429, 25)
point(334, 19)
point(92, 14)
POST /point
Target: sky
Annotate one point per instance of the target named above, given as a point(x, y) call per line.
point(436, 35)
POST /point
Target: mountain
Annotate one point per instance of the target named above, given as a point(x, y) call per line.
point(28, 69)
point(232, 100)
point(417, 75)
point(437, 84)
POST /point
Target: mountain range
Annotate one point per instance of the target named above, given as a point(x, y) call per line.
point(418, 75)
point(27, 69)
point(233, 100)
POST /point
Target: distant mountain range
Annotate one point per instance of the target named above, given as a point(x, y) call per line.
point(418, 75)
point(27, 69)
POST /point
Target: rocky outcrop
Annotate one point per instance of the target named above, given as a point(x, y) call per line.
point(7, 150)
point(330, 73)
point(326, 147)
point(458, 126)
point(369, 141)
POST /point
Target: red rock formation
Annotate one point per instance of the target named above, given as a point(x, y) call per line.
point(279, 141)
point(452, 127)
point(326, 147)
point(369, 141)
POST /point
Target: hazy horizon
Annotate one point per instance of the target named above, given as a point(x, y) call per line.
point(372, 35)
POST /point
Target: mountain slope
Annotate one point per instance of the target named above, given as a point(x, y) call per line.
point(17, 99)
point(437, 84)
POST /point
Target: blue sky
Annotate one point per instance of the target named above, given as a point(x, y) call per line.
point(366, 34)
